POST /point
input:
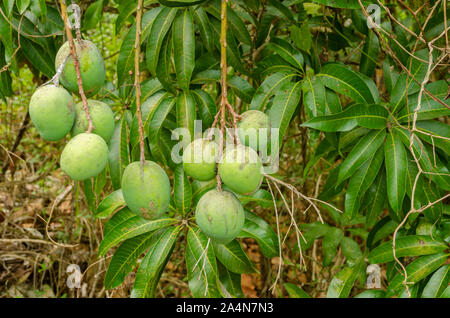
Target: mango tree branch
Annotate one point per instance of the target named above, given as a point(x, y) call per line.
point(137, 53)
point(76, 64)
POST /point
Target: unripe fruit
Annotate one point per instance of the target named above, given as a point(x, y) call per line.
point(148, 194)
point(92, 67)
point(199, 159)
point(254, 129)
point(52, 112)
point(220, 215)
point(240, 169)
point(84, 156)
point(102, 118)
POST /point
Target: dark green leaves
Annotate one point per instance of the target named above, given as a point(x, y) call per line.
point(369, 54)
point(411, 245)
point(341, 285)
point(330, 243)
point(345, 81)
point(368, 116)
point(362, 151)
point(233, 257)
point(153, 264)
point(186, 113)
point(184, 47)
point(396, 165)
point(182, 195)
point(110, 204)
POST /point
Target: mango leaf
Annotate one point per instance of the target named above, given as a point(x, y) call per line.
point(38, 57)
point(126, 256)
point(362, 151)
point(118, 157)
point(371, 293)
point(360, 181)
point(233, 257)
point(110, 204)
point(154, 128)
point(295, 292)
point(206, 106)
point(235, 23)
point(376, 197)
point(429, 108)
point(258, 229)
point(350, 249)
point(344, 4)
point(347, 82)
point(389, 76)
point(93, 15)
point(437, 283)
point(261, 197)
point(186, 113)
point(182, 190)
point(202, 21)
point(284, 104)
point(318, 99)
point(287, 52)
point(411, 245)
point(22, 5)
point(416, 271)
point(330, 244)
point(184, 47)
point(129, 228)
point(446, 293)
point(368, 116)
point(280, 10)
point(164, 67)
point(157, 33)
point(382, 229)
point(341, 284)
point(369, 54)
point(202, 283)
point(395, 162)
point(153, 264)
point(229, 282)
point(435, 128)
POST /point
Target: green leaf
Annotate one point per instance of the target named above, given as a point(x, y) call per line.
point(429, 108)
point(318, 99)
point(202, 283)
point(93, 15)
point(129, 228)
point(344, 4)
point(435, 128)
point(341, 284)
point(202, 21)
point(295, 292)
point(258, 229)
point(110, 204)
point(235, 23)
point(446, 293)
point(154, 128)
point(164, 67)
point(371, 293)
point(363, 150)
point(360, 181)
point(280, 10)
point(330, 244)
point(206, 106)
point(284, 104)
point(301, 36)
point(376, 195)
point(38, 57)
point(233, 257)
point(126, 256)
point(287, 52)
point(411, 245)
point(184, 47)
point(158, 31)
point(345, 81)
point(182, 190)
point(396, 163)
point(186, 113)
point(437, 283)
point(350, 249)
point(390, 76)
point(382, 229)
point(153, 264)
point(22, 5)
point(369, 54)
point(118, 157)
point(416, 271)
point(261, 197)
point(368, 116)
point(229, 282)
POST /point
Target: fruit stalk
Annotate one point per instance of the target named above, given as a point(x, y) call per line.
point(76, 64)
point(137, 84)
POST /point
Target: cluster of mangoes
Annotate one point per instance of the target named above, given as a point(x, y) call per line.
point(54, 114)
